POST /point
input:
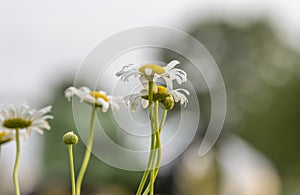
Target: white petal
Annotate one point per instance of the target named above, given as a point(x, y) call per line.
point(169, 83)
point(40, 112)
point(101, 101)
point(102, 92)
point(40, 131)
point(171, 65)
point(105, 106)
point(148, 71)
point(114, 106)
point(145, 103)
point(84, 89)
point(135, 103)
point(144, 82)
point(69, 92)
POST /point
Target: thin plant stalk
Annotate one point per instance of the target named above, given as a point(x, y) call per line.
point(152, 145)
point(87, 153)
point(158, 146)
point(17, 162)
point(154, 136)
point(70, 150)
point(148, 168)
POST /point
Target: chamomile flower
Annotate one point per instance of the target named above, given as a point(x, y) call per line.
point(97, 98)
point(6, 136)
point(153, 72)
point(162, 94)
point(24, 118)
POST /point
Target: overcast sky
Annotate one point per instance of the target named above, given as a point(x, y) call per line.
point(41, 40)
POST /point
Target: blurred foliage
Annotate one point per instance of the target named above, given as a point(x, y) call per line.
point(262, 79)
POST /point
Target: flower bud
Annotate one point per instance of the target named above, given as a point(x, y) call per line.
point(168, 103)
point(70, 138)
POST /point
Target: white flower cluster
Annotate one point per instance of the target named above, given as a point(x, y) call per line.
point(155, 73)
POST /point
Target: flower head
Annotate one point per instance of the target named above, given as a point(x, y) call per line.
point(95, 98)
point(24, 118)
point(153, 72)
point(167, 97)
point(6, 136)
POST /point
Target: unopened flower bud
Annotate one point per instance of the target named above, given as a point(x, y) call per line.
point(70, 138)
point(168, 103)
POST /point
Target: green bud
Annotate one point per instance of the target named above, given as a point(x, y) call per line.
point(70, 138)
point(168, 103)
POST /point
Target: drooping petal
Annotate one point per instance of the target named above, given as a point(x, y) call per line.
point(105, 106)
point(70, 92)
point(180, 97)
point(171, 65)
point(145, 103)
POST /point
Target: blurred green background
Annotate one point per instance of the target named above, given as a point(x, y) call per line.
point(262, 83)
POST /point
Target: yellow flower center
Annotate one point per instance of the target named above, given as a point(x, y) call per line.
point(2, 135)
point(4, 139)
point(154, 69)
point(97, 94)
point(161, 89)
point(16, 123)
point(160, 95)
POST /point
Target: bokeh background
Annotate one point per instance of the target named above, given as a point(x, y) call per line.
point(256, 45)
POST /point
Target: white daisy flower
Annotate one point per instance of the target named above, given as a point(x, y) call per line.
point(97, 98)
point(24, 118)
point(153, 72)
point(160, 94)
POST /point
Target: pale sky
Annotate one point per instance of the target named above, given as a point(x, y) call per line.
point(41, 40)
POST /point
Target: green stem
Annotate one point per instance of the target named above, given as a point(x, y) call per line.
point(72, 168)
point(87, 153)
point(17, 161)
point(148, 168)
point(162, 121)
point(150, 93)
point(154, 134)
point(152, 146)
point(152, 167)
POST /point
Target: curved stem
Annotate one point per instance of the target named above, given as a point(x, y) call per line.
point(87, 153)
point(155, 172)
point(153, 151)
point(148, 168)
point(72, 168)
point(162, 121)
point(17, 161)
point(154, 134)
